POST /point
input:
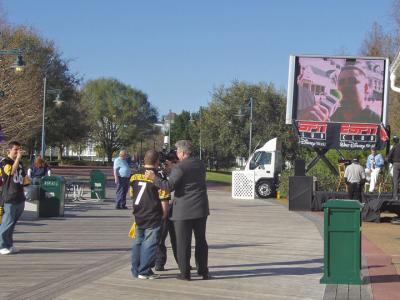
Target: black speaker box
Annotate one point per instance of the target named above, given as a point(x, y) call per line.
point(299, 167)
point(300, 192)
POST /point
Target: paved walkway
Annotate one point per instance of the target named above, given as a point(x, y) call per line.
point(258, 250)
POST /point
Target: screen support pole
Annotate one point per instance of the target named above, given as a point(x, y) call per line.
point(321, 155)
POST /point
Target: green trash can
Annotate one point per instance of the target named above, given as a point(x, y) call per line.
point(342, 242)
point(52, 196)
point(97, 185)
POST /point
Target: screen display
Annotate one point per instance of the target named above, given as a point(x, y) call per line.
point(344, 90)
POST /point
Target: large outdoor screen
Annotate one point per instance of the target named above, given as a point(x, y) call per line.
point(337, 89)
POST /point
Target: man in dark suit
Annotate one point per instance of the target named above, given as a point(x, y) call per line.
point(190, 208)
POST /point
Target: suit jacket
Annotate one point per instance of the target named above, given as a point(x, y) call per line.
point(188, 180)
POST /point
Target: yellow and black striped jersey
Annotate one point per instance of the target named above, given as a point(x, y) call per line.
point(13, 189)
point(146, 200)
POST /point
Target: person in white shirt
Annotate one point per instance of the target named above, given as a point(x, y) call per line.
point(375, 162)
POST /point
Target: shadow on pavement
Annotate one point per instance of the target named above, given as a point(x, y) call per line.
point(45, 251)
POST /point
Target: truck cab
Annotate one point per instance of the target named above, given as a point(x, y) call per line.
point(266, 163)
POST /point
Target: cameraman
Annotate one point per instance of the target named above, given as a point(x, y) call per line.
point(168, 160)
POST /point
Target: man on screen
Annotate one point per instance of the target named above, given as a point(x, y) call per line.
point(347, 104)
point(354, 87)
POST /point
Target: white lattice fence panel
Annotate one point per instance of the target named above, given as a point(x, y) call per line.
point(243, 185)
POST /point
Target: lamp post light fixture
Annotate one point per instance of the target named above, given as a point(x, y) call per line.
point(19, 64)
point(58, 103)
point(242, 114)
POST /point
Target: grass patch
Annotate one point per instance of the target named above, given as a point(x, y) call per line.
point(219, 177)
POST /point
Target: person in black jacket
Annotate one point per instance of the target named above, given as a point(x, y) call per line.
point(190, 208)
point(394, 158)
point(167, 225)
point(13, 174)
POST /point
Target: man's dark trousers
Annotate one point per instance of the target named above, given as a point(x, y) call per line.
point(183, 231)
point(354, 191)
point(122, 190)
point(161, 254)
point(396, 175)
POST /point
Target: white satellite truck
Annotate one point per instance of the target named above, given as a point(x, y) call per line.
point(262, 170)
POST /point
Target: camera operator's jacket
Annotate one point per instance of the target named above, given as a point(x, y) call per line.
point(147, 199)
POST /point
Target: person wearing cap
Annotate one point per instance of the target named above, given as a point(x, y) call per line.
point(394, 159)
point(354, 176)
point(375, 162)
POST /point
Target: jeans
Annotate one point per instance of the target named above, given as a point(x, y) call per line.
point(12, 212)
point(144, 248)
point(122, 190)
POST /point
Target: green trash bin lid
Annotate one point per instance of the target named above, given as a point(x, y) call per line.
point(340, 203)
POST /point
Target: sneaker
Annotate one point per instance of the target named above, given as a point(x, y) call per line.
point(153, 276)
point(5, 251)
point(14, 250)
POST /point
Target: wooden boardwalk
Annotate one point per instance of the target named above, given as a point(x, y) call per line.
point(258, 250)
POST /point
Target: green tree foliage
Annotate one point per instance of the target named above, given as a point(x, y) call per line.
point(180, 128)
point(225, 136)
point(386, 44)
point(119, 114)
point(21, 114)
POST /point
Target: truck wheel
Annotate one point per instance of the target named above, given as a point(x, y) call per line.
point(265, 189)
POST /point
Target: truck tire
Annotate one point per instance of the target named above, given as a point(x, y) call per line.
point(265, 189)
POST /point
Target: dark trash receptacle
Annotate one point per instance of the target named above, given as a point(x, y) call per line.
point(342, 242)
point(52, 197)
point(32, 191)
point(97, 184)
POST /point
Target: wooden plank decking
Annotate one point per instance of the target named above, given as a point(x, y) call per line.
point(258, 250)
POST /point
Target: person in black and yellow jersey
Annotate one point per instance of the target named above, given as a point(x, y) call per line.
point(150, 208)
point(13, 174)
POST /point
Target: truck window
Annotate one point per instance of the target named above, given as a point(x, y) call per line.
point(260, 158)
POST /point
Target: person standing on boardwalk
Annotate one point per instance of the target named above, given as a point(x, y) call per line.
point(354, 176)
point(167, 225)
point(190, 208)
point(150, 208)
point(122, 173)
point(394, 159)
point(13, 174)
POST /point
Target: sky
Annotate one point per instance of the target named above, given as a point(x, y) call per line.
point(178, 52)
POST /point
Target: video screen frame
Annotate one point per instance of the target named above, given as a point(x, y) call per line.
point(347, 62)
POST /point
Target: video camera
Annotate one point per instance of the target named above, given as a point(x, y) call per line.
point(165, 155)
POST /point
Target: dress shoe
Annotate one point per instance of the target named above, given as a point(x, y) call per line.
point(207, 277)
point(181, 277)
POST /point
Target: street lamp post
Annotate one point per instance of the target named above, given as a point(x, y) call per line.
point(241, 114)
point(57, 101)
